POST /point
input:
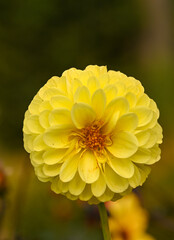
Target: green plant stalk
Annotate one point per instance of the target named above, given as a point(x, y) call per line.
point(104, 221)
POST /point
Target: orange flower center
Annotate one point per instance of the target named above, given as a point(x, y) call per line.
point(92, 137)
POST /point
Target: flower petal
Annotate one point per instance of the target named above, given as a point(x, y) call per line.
point(34, 125)
point(127, 122)
point(51, 170)
point(99, 187)
point(135, 180)
point(69, 168)
point(111, 92)
point(76, 185)
point(143, 137)
point(119, 104)
point(141, 156)
point(124, 145)
point(53, 156)
point(131, 99)
point(93, 84)
point(123, 167)
point(36, 158)
point(39, 144)
point(60, 116)
point(144, 172)
point(34, 105)
point(107, 195)
point(155, 155)
point(47, 93)
point(58, 186)
point(56, 137)
point(99, 102)
point(82, 114)
point(45, 105)
point(61, 102)
point(88, 167)
point(43, 119)
point(116, 183)
point(86, 194)
point(82, 94)
point(144, 115)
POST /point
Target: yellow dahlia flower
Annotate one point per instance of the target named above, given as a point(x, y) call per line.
point(92, 134)
point(128, 220)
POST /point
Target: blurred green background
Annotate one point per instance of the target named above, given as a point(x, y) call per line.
point(39, 39)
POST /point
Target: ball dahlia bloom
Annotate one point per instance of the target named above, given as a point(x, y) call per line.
point(93, 134)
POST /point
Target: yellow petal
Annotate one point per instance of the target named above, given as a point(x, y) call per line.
point(155, 155)
point(116, 183)
point(135, 180)
point(58, 186)
point(62, 84)
point(154, 107)
point(127, 122)
point(111, 123)
point(53, 156)
point(82, 94)
point(70, 196)
point(111, 92)
point(36, 158)
point(56, 137)
point(34, 105)
point(123, 167)
point(60, 116)
point(152, 139)
point(131, 99)
point(98, 187)
point(61, 102)
point(39, 144)
point(151, 123)
point(39, 172)
point(54, 185)
point(28, 142)
point(119, 104)
point(69, 168)
point(144, 100)
point(45, 105)
point(76, 185)
point(141, 156)
point(103, 80)
point(88, 167)
point(33, 124)
point(107, 195)
point(93, 84)
point(144, 115)
point(120, 88)
point(143, 137)
point(144, 172)
point(82, 115)
point(43, 119)
point(86, 194)
point(51, 170)
point(124, 145)
point(47, 93)
point(99, 102)
point(96, 70)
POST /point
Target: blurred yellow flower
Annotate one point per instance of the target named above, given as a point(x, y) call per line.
point(128, 220)
point(92, 134)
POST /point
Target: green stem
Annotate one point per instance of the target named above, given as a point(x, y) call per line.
point(104, 221)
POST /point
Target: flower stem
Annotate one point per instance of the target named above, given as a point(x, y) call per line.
point(104, 221)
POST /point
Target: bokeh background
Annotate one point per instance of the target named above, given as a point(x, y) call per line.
point(42, 38)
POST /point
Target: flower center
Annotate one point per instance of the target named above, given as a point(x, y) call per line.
point(92, 137)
